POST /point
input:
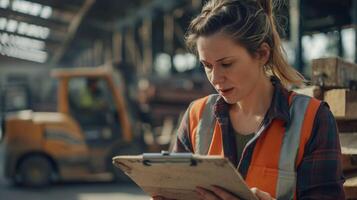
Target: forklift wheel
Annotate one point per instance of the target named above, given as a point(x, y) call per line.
point(35, 171)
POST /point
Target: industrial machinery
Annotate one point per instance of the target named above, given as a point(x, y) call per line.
point(96, 119)
point(79, 140)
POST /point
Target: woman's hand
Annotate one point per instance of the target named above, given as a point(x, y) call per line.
point(218, 193)
point(160, 198)
point(261, 195)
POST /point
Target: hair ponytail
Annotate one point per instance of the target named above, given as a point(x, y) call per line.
point(278, 63)
point(267, 6)
point(249, 23)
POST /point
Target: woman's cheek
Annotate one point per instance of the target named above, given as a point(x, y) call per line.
point(209, 76)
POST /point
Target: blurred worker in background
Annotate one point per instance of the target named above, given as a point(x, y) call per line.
point(285, 145)
point(91, 97)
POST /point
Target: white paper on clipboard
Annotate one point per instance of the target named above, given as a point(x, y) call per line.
point(176, 175)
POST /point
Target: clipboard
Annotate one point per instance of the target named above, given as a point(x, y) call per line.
point(176, 175)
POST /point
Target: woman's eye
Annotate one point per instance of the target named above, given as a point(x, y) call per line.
point(207, 67)
point(226, 64)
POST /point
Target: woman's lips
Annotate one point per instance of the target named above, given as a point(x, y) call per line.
point(226, 92)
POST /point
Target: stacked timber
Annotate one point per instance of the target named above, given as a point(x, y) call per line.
point(162, 102)
point(335, 82)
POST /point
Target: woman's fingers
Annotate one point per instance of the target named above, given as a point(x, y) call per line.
point(157, 198)
point(261, 194)
point(216, 193)
point(160, 198)
point(205, 194)
point(223, 194)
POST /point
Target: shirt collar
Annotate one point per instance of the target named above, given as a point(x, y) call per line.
point(279, 107)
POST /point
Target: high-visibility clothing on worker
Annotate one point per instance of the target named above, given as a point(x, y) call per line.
point(273, 154)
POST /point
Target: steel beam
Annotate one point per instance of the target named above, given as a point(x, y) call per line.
point(72, 30)
point(147, 10)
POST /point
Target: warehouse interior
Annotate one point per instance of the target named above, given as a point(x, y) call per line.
point(135, 51)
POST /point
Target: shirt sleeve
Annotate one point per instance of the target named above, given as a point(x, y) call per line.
point(183, 142)
point(320, 175)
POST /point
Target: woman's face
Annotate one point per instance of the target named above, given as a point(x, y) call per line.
point(232, 71)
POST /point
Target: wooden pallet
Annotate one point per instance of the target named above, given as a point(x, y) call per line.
point(350, 187)
point(343, 103)
point(333, 72)
point(349, 151)
point(347, 125)
point(349, 163)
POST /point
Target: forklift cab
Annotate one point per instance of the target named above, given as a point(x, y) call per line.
point(79, 140)
point(91, 104)
point(93, 100)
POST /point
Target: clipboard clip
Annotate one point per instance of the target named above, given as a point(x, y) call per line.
point(150, 159)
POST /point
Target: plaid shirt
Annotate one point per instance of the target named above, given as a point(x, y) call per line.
point(319, 176)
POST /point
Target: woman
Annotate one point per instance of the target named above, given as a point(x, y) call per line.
point(285, 145)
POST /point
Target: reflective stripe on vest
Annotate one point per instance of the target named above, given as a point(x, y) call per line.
point(205, 126)
point(289, 148)
point(272, 172)
point(206, 129)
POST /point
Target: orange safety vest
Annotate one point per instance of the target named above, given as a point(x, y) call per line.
point(279, 148)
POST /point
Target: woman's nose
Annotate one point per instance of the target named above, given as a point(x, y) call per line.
point(216, 76)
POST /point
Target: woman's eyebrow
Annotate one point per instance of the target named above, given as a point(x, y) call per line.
point(221, 59)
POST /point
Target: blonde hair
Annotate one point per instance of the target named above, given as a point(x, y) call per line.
point(249, 23)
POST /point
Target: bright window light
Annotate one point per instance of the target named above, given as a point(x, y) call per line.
point(21, 6)
point(25, 54)
point(31, 8)
point(4, 38)
point(4, 3)
point(162, 64)
point(24, 28)
point(46, 12)
point(184, 62)
point(21, 42)
point(3, 22)
point(22, 47)
point(289, 50)
point(315, 46)
point(35, 10)
point(37, 31)
point(349, 41)
point(11, 25)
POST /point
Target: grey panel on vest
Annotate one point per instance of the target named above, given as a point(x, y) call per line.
point(289, 149)
point(206, 126)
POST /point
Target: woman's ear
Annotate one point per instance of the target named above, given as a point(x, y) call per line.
point(264, 53)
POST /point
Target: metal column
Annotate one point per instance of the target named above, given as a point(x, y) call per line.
point(340, 43)
point(296, 31)
point(354, 22)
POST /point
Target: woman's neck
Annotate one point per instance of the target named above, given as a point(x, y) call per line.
point(258, 101)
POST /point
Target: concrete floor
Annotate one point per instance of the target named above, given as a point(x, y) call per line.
point(70, 191)
point(74, 191)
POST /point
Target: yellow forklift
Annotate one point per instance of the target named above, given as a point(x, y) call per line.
point(78, 141)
